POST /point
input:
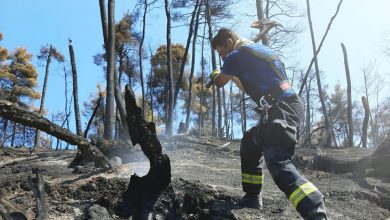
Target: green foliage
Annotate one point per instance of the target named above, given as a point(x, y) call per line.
point(159, 80)
point(159, 62)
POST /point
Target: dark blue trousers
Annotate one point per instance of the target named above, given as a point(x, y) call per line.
point(274, 141)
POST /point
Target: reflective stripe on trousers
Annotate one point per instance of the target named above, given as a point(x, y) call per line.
point(301, 192)
point(252, 179)
point(303, 195)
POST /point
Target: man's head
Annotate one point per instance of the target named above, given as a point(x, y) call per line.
point(224, 41)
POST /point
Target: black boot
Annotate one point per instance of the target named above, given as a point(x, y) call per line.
point(317, 213)
point(253, 201)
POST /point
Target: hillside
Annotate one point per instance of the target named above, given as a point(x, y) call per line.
point(205, 185)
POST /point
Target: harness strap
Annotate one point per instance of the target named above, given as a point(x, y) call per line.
point(270, 59)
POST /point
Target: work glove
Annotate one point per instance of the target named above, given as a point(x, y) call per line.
point(214, 74)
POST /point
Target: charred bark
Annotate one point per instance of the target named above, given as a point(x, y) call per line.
point(169, 123)
point(365, 121)
point(349, 95)
point(88, 152)
point(42, 105)
point(318, 79)
point(75, 90)
point(38, 187)
point(183, 62)
point(189, 101)
point(110, 88)
point(143, 192)
point(93, 115)
point(214, 65)
point(260, 16)
point(377, 163)
point(9, 210)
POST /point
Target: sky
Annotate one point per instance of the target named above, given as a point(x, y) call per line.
point(361, 25)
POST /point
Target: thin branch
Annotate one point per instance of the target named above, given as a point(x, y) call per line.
point(319, 47)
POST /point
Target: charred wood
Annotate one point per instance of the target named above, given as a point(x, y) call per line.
point(38, 187)
point(88, 152)
point(375, 164)
point(143, 192)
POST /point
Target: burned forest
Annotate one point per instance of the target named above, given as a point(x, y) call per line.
point(204, 109)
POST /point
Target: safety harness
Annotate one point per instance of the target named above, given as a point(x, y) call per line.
point(271, 97)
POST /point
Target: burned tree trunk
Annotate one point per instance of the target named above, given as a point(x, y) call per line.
point(349, 95)
point(169, 124)
point(318, 79)
point(183, 62)
point(377, 163)
point(38, 187)
point(189, 101)
point(89, 152)
point(93, 115)
point(142, 192)
point(9, 210)
point(365, 121)
point(75, 89)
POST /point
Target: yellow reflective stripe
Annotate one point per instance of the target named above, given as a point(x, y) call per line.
point(301, 192)
point(252, 179)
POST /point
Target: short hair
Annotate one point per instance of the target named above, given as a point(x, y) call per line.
point(221, 38)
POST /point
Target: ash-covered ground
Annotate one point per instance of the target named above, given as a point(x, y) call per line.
point(206, 182)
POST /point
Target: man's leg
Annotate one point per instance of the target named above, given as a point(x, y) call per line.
point(304, 196)
point(251, 169)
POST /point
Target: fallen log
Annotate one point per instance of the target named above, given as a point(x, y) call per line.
point(9, 210)
point(377, 163)
point(143, 192)
point(89, 152)
point(3, 163)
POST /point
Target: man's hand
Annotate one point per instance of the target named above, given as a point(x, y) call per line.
point(214, 74)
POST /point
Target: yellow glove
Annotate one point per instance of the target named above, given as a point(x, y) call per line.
point(214, 74)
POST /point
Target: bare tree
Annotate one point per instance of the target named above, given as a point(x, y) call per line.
point(365, 121)
point(183, 63)
point(75, 90)
point(317, 71)
point(349, 94)
point(369, 82)
point(46, 54)
point(110, 53)
point(319, 47)
point(214, 66)
point(202, 96)
point(168, 129)
point(260, 16)
point(140, 51)
point(192, 71)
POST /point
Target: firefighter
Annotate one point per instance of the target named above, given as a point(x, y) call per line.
point(258, 71)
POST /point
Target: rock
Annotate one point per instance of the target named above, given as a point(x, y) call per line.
point(116, 161)
point(97, 212)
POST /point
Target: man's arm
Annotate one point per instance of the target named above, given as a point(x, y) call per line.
point(221, 80)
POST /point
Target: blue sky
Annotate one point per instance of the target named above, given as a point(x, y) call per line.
point(362, 26)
